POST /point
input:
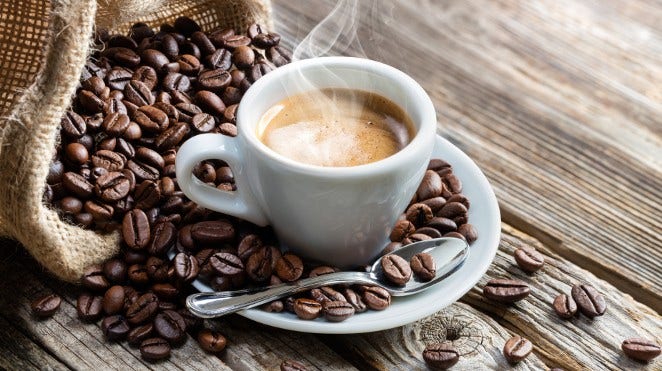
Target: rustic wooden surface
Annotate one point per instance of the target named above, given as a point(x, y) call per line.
point(559, 102)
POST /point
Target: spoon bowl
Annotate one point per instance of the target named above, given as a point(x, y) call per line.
point(448, 253)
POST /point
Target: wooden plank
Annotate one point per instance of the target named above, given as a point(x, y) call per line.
point(251, 346)
point(579, 343)
point(477, 337)
point(576, 344)
point(18, 352)
point(559, 102)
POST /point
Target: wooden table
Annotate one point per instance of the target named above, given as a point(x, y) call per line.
point(559, 102)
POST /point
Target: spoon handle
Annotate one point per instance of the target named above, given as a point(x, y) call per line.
point(216, 304)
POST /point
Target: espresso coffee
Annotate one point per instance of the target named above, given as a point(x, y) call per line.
point(336, 127)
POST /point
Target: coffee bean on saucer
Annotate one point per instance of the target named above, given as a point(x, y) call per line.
point(211, 341)
point(46, 306)
point(506, 291)
point(155, 349)
point(469, 232)
point(423, 266)
point(401, 230)
point(419, 214)
point(640, 349)
point(337, 311)
point(516, 349)
point(307, 309)
point(226, 264)
point(565, 306)
point(396, 269)
point(440, 356)
point(292, 365)
point(529, 259)
point(289, 268)
point(589, 301)
point(375, 297)
point(430, 186)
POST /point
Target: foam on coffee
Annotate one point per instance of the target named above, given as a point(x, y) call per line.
point(336, 127)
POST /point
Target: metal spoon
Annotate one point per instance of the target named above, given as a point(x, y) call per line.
point(448, 253)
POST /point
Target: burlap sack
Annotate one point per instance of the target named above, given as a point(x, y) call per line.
point(43, 47)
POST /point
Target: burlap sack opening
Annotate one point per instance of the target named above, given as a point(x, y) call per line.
point(43, 47)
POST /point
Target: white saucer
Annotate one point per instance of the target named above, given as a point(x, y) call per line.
point(483, 214)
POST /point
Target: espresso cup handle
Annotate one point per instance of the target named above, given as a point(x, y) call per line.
point(240, 203)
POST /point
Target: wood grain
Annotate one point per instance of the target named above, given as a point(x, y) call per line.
point(560, 104)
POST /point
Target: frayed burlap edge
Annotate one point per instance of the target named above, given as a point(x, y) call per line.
point(29, 132)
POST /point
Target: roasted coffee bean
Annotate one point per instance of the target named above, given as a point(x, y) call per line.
point(89, 307)
point(228, 129)
point(258, 265)
point(76, 153)
point(639, 349)
point(589, 301)
point(429, 231)
point(506, 291)
point(71, 205)
point(435, 203)
point(419, 214)
point(516, 349)
point(46, 306)
point(73, 125)
point(142, 309)
point(279, 56)
point(186, 267)
point(321, 270)
point(186, 26)
point(115, 270)
point(234, 41)
point(430, 186)
point(189, 65)
point(396, 269)
point(337, 311)
point(164, 235)
point(157, 269)
point(186, 111)
point(354, 300)
point(258, 70)
point(170, 325)
point(113, 300)
point(155, 349)
point(147, 75)
point(211, 341)
point(55, 172)
point(469, 232)
point(266, 40)
point(154, 59)
point(376, 298)
point(109, 160)
point(275, 306)
point(416, 237)
point(171, 136)
point(112, 186)
point(202, 41)
point(118, 78)
point(452, 210)
point(165, 291)
point(423, 266)
point(319, 296)
point(243, 57)
point(94, 279)
point(134, 257)
point(213, 232)
point(231, 95)
point(221, 59)
point(147, 195)
point(440, 356)
point(100, 212)
point(226, 264)
point(214, 80)
point(401, 230)
point(175, 81)
point(565, 306)
point(77, 185)
point(138, 93)
point(90, 102)
point(210, 102)
point(151, 119)
point(453, 183)
point(461, 199)
point(115, 327)
point(140, 333)
point(115, 124)
point(307, 309)
point(529, 259)
point(391, 247)
point(136, 229)
point(137, 274)
point(289, 268)
point(230, 113)
point(443, 225)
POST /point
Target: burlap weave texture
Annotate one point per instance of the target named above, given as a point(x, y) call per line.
point(44, 46)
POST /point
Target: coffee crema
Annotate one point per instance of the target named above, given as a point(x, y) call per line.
point(336, 127)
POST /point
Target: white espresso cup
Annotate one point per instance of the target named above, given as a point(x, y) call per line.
point(341, 216)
